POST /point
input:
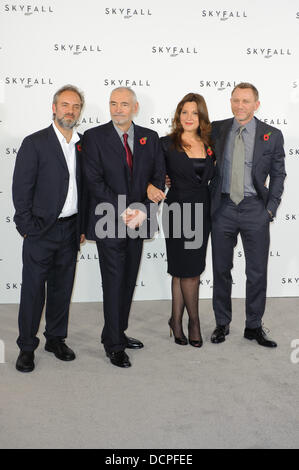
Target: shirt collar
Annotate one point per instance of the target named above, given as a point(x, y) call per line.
point(130, 131)
point(250, 126)
point(75, 137)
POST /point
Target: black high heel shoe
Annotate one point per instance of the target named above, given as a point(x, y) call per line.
point(182, 341)
point(196, 343)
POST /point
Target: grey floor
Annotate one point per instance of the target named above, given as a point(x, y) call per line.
point(233, 395)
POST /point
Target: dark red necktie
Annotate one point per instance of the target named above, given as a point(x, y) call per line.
point(128, 152)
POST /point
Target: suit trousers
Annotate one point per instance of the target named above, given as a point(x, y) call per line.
point(119, 263)
point(251, 219)
point(49, 260)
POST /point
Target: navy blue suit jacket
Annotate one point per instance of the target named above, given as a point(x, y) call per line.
point(40, 184)
point(268, 160)
point(108, 175)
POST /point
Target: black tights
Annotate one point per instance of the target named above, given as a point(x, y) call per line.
point(185, 293)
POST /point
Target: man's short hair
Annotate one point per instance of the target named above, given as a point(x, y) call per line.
point(69, 88)
point(244, 85)
point(121, 88)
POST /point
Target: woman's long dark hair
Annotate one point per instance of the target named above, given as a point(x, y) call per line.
point(204, 130)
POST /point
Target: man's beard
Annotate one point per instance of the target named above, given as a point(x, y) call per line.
point(121, 120)
point(66, 123)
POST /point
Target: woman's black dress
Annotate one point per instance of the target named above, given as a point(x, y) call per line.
point(189, 184)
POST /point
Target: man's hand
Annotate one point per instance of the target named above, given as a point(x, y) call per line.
point(155, 194)
point(82, 238)
point(133, 218)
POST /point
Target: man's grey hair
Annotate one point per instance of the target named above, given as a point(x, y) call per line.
point(121, 88)
point(69, 88)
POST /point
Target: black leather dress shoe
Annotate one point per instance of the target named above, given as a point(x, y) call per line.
point(260, 336)
point(133, 343)
point(219, 334)
point(25, 361)
point(60, 350)
point(119, 359)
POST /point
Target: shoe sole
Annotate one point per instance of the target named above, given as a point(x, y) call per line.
point(24, 371)
point(180, 343)
point(196, 345)
point(265, 345)
point(122, 367)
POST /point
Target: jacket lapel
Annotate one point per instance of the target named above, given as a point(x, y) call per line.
point(114, 142)
point(223, 138)
point(78, 158)
point(258, 143)
point(138, 150)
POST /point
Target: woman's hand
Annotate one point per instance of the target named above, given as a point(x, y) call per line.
point(155, 194)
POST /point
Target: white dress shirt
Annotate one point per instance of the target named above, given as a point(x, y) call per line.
point(69, 150)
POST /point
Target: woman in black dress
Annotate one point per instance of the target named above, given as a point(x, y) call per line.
point(190, 166)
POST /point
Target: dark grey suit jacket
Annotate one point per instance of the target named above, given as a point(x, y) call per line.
point(268, 160)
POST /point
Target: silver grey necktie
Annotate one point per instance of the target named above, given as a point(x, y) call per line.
point(238, 167)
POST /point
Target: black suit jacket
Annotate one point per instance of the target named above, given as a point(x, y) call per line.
point(40, 184)
point(107, 173)
point(268, 160)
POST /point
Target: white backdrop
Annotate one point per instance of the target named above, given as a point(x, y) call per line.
point(162, 49)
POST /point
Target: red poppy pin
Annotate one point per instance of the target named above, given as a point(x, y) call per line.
point(79, 147)
point(143, 140)
point(209, 151)
point(267, 136)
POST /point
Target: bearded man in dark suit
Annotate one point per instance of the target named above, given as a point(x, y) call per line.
point(48, 199)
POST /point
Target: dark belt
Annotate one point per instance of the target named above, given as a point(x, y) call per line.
point(66, 219)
